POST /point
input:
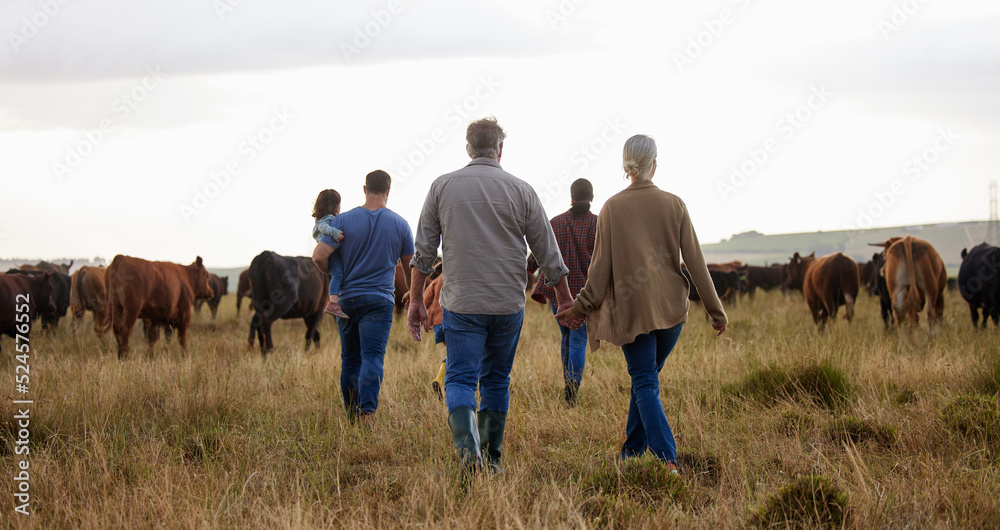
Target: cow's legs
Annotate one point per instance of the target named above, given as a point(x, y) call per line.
point(312, 328)
point(182, 335)
point(122, 325)
point(152, 335)
point(974, 313)
point(849, 307)
point(264, 333)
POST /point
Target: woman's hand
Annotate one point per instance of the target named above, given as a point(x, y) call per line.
point(718, 326)
point(567, 318)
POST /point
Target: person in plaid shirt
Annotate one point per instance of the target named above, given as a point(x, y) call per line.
point(576, 231)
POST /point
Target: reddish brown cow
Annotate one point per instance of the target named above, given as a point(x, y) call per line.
point(915, 275)
point(159, 292)
point(87, 293)
point(399, 286)
point(827, 283)
point(27, 295)
point(243, 289)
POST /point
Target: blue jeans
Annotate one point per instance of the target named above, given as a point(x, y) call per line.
point(363, 338)
point(573, 350)
point(480, 351)
point(647, 423)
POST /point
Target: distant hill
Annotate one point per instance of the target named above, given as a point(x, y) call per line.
point(757, 249)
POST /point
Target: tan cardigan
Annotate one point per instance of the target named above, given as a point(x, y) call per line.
point(634, 284)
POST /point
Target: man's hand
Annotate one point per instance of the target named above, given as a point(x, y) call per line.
point(569, 319)
point(718, 326)
point(416, 317)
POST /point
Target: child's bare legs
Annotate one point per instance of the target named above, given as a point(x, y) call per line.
point(333, 307)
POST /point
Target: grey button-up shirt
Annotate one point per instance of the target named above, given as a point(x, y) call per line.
point(481, 216)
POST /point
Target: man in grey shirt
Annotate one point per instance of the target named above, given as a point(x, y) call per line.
point(481, 216)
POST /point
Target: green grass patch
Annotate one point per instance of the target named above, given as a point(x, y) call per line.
point(643, 479)
point(820, 384)
point(809, 502)
point(975, 417)
point(859, 431)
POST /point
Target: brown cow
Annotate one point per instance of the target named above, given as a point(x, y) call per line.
point(827, 283)
point(159, 292)
point(87, 293)
point(866, 271)
point(243, 289)
point(27, 295)
point(915, 274)
point(50, 267)
point(399, 286)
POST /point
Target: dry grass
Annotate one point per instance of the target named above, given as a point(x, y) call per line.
point(896, 428)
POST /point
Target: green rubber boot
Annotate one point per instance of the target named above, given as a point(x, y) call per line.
point(465, 435)
point(491, 427)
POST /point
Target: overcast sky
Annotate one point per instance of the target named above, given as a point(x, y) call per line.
point(166, 130)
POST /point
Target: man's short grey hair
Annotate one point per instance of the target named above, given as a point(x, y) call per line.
point(638, 157)
point(483, 138)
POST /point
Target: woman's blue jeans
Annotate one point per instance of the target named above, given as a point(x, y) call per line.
point(647, 425)
point(573, 350)
point(363, 339)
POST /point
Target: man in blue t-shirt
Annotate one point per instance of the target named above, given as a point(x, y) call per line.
point(377, 238)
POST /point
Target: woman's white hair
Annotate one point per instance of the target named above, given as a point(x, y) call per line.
point(638, 157)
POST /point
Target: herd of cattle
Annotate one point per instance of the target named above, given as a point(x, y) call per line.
point(907, 275)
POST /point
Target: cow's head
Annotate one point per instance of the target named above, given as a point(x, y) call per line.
point(795, 270)
point(200, 279)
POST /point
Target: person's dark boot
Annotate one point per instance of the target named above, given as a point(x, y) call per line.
point(491, 427)
point(572, 389)
point(465, 435)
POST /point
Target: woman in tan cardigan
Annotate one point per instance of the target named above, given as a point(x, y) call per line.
point(636, 296)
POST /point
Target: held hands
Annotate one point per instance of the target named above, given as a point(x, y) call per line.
point(416, 317)
point(566, 317)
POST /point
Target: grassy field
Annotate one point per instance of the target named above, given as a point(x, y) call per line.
point(776, 424)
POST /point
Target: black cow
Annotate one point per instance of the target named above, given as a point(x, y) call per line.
point(727, 284)
point(24, 294)
point(220, 288)
point(979, 282)
point(766, 278)
point(61, 284)
point(880, 288)
point(286, 287)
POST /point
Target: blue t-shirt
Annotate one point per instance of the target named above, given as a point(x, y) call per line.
point(370, 257)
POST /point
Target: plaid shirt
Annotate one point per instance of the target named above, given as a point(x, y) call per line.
point(575, 236)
